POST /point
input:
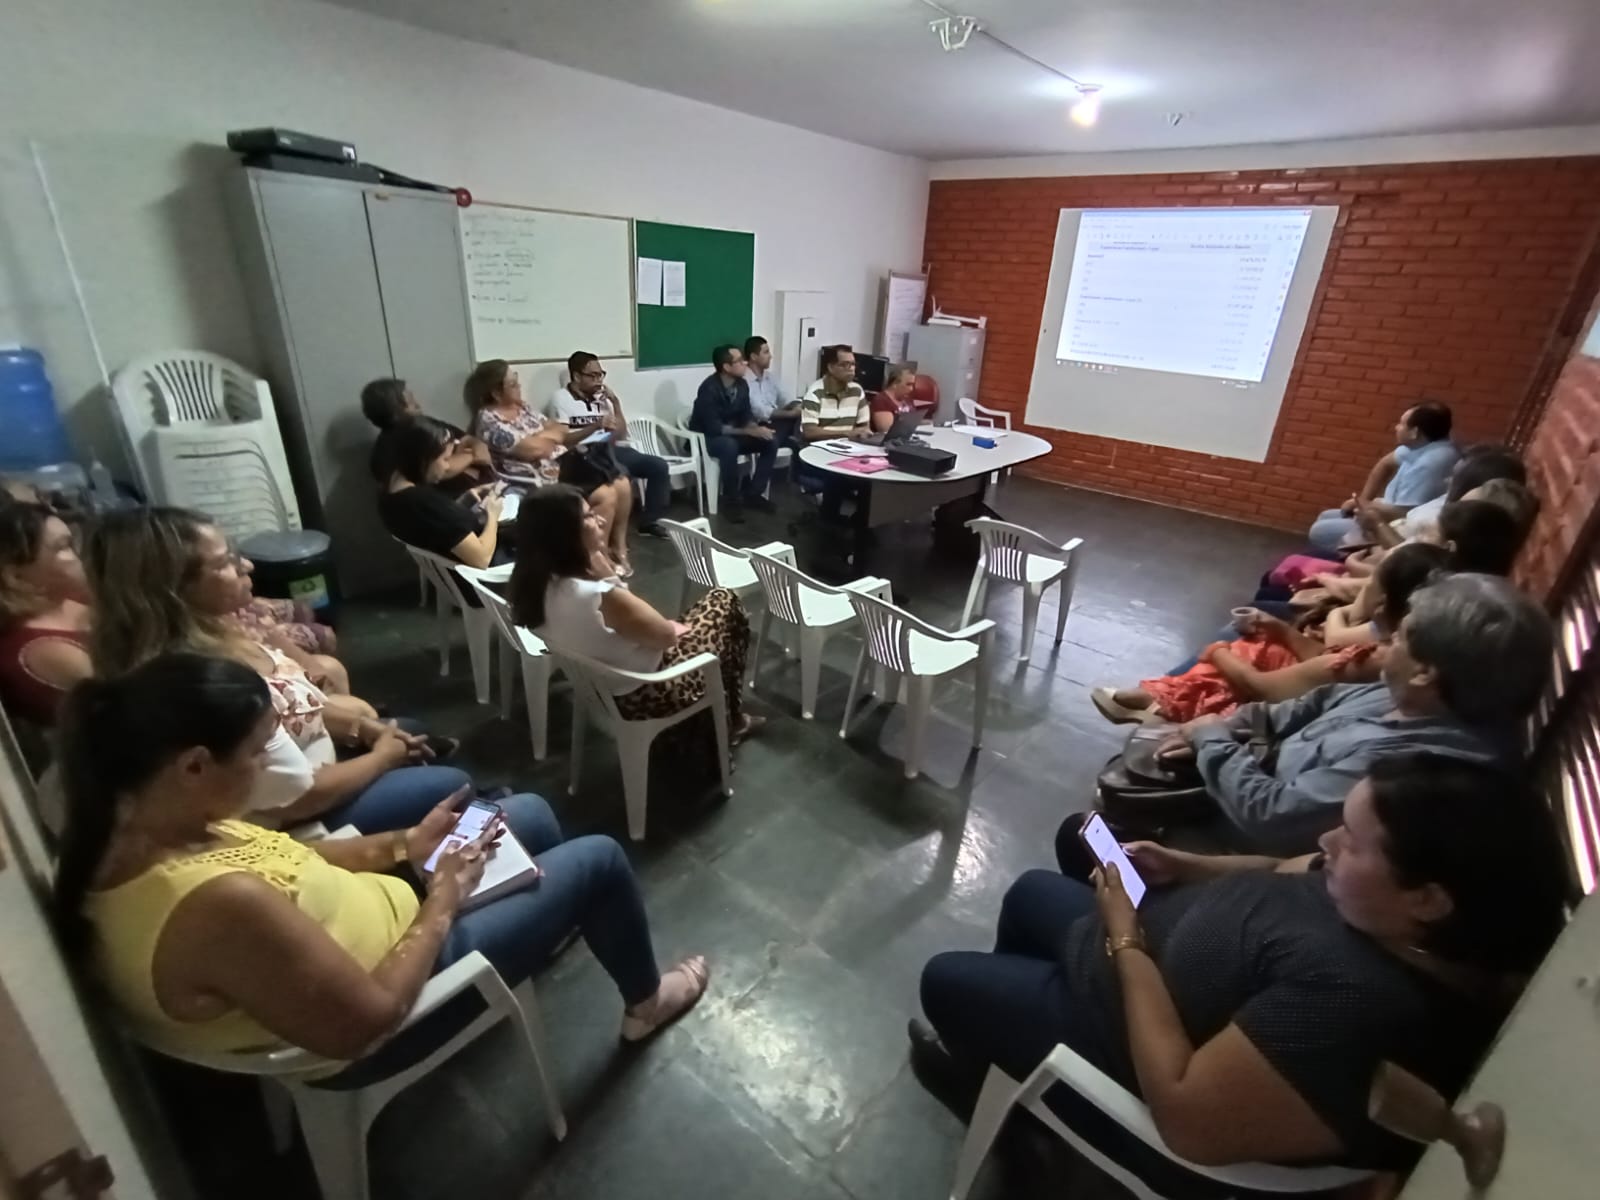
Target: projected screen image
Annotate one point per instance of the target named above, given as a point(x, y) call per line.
point(1190, 291)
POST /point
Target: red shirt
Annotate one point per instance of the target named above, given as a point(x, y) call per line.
point(883, 402)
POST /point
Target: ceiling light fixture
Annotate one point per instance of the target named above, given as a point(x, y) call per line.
point(955, 30)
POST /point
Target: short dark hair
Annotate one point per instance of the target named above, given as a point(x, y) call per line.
point(383, 401)
point(1431, 419)
point(484, 383)
point(577, 361)
point(1481, 463)
point(1486, 839)
point(409, 448)
point(830, 354)
point(1402, 571)
point(723, 355)
point(753, 344)
point(549, 547)
point(1483, 536)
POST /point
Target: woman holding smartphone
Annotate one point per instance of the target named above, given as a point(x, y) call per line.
point(419, 513)
point(1250, 1001)
point(216, 935)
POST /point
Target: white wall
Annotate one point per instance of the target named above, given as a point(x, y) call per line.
point(129, 103)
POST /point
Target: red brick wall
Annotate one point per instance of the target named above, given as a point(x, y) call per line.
point(1442, 279)
point(1563, 458)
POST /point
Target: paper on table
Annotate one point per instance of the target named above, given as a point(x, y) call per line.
point(674, 283)
point(647, 282)
point(989, 431)
point(863, 466)
point(855, 449)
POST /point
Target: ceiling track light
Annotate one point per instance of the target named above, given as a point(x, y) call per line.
point(955, 30)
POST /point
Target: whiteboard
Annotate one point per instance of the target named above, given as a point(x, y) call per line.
point(900, 312)
point(542, 284)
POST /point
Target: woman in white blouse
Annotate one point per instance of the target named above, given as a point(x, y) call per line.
point(565, 588)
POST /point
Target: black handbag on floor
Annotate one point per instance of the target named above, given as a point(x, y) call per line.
point(1137, 788)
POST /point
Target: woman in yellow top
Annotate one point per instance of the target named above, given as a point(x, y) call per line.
point(217, 935)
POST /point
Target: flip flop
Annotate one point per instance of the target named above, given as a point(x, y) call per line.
point(1104, 699)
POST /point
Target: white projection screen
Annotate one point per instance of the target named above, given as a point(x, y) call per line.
point(1176, 326)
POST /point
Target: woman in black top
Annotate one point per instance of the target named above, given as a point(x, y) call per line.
point(415, 510)
point(1250, 1001)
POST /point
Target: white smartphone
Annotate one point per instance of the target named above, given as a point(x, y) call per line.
point(600, 435)
point(477, 817)
point(1106, 849)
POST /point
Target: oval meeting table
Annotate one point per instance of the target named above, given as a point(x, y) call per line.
point(890, 496)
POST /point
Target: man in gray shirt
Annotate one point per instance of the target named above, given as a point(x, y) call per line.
point(1467, 665)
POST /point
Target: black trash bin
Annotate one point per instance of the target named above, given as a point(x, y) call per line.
point(294, 564)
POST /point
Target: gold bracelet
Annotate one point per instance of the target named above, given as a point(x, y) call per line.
point(1128, 941)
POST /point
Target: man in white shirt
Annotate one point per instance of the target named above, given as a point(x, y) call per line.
point(770, 402)
point(586, 400)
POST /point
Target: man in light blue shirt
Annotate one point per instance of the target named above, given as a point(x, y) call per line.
point(1417, 470)
point(770, 401)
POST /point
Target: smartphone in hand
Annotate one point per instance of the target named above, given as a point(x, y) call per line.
point(1106, 849)
point(475, 820)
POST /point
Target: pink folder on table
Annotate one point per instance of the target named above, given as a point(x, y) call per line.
point(863, 466)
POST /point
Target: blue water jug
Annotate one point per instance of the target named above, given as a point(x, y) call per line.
point(34, 434)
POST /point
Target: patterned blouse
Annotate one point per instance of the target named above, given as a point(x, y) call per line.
point(501, 434)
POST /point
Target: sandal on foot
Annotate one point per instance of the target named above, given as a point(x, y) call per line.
point(1105, 699)
point(679, 991)
point(749, 724)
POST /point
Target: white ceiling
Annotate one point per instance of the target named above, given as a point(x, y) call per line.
point(1241, 71)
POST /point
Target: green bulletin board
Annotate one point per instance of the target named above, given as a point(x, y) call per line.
point(719, 285)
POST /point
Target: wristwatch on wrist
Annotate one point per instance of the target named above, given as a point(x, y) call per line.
point(1128, 941)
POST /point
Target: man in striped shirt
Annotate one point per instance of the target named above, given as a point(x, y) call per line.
point(832, 407)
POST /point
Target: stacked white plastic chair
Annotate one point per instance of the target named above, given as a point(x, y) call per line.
point(1016, 554)
point(204, 435)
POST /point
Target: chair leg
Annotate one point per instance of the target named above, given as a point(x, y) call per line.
point(1064, 600)
point(974, 594)
point(539, 1047)
point(761, 640)
point(280, 1114)
point(713, 486)
point(994, 1105)
point(536, 692)
point(812, 642)
point(719, 719)
point(980, 693)
point(336, 1141)
point(441, 628)
point(508, 677)
point(919, 692)
point(699, 494)
point(633, 751)
point(422, 588)
point(1030, 620)
point(855, 690)
point(479, 650)
point(577, 745)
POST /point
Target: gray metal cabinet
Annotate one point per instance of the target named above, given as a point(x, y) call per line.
point(953, 355)
point(350, 282)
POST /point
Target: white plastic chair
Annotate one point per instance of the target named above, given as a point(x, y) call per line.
point(813, 609)
point(973, 413)
point(651, 435)
point(446, 596)
point(1018, 555)
point(594, 695)
point(709, 562)
point(711, 469)
point(1001, 1094)
point(525, 647)
point(920, 653)
point(335, 1122)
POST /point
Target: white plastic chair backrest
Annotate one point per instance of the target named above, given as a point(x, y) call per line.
point(968, 407)
point(886, 630)
point(179, 387)
point(782, 583)
point(1006, 548)
point(592, 680)
point(645, 432)
point(698, 549)
point(499, 607)
point(438, 570)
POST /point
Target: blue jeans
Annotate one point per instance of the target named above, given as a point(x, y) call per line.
point(588, 886)
point(397, 800)
point(653, 474)
point(1010, 1008)
point(1330, 528)
point(727, 447)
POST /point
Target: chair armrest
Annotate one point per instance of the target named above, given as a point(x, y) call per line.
point(1074, 1071)
point(782, 551)
point(966, 633)
point(473, 971)
point(699, 525)
point(687, 667)
point(867, 585)
point(1067, 547)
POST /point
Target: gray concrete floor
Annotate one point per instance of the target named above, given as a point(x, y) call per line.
point(817, 891)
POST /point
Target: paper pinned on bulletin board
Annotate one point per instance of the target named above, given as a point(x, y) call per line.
point(674, 284)
point(647, 281)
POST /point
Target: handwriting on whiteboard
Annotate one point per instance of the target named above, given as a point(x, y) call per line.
point(502, 266)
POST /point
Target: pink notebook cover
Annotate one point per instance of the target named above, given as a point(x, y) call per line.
point(864, 466)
